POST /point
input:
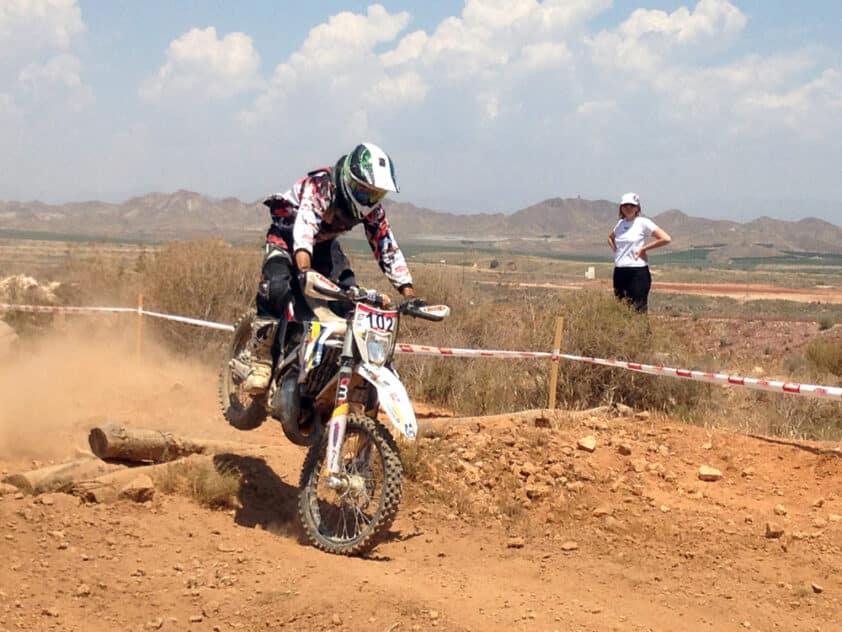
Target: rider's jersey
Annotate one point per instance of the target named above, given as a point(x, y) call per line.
point(311, 209)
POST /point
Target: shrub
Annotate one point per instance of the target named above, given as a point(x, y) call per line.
point(595, 325)
point(825, 356)
point(209, 485)
point(209, 280)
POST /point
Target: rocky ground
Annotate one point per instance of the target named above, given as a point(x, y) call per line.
point(532, 521)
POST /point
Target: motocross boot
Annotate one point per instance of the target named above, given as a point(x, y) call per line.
point(260, 346)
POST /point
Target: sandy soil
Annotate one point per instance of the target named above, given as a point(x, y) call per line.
point(739, 291)
point(753, 291)
point(508, 525)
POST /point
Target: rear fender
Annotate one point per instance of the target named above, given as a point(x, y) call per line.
point(393, 398)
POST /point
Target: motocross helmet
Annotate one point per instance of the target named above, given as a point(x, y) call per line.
point(366, 175)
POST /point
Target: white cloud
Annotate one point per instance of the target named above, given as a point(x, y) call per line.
point(200, 64)
point(485, 52)
point(709, 19)
point(404, 89)
point(338, 68)
point(492, 33)
point(544, 55)
point(39, 69)
point(339, 41)
point(38, 24)
point(664, 55)
point(811, 111)
point(526, 96)
point(61, 69)
point(650, 38)
point(61, 74)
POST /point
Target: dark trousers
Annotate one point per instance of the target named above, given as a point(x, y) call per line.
point(279, 282)
point(632, 285)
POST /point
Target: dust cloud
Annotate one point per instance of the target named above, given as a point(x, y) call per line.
point(56, 386)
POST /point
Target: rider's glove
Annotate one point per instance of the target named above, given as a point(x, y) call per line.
point(367, 295)
point(413, 302)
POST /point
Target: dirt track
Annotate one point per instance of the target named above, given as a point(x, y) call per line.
point(478, 545)
point(739, 291)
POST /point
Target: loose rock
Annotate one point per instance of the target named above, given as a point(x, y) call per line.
point(587, 443)
point(780, 510)
point(817, 588)
point(515, 542)
point(709, 474)
point(774, 530)
point(570, 545)
point(140, 490)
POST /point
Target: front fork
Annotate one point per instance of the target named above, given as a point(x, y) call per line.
point(339, 418)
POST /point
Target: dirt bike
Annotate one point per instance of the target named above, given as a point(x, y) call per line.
point(329, 380)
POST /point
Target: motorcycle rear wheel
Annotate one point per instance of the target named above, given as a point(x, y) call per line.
point(352, 522)
point(240, 409)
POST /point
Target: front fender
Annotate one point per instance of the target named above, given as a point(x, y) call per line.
point(393, 398)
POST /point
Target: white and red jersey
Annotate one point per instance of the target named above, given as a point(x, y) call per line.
point(313, 213)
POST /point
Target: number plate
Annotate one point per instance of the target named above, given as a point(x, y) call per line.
point(367, 318)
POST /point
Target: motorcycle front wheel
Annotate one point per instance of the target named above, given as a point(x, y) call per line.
point(351, 519)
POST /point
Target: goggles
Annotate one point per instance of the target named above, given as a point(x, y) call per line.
point(365, 194)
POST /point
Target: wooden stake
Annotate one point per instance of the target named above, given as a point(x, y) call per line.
point(139, 337)
point(559, 329)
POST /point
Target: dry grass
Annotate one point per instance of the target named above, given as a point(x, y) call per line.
point(214, 281)
point(211, 486)
point(209, 280)
point(825, 356)
point(595, 325)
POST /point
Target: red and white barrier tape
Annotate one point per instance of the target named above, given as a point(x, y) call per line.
point(61, 309)
point(470, 353)
point(774, 386)
point(189, 321)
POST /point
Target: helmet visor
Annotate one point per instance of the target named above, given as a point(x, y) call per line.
point(365, 194)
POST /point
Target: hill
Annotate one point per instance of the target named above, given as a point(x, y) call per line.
point(563, 225)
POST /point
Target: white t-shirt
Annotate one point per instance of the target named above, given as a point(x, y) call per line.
point(631, 236)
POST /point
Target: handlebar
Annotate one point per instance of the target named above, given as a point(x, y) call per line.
point(318, 286)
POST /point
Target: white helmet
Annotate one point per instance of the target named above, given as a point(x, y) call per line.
point(630, 198)
point(366, 175)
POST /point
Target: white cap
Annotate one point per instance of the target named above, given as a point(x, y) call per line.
point(630, 198)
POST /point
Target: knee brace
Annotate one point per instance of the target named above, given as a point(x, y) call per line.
point(274, 291)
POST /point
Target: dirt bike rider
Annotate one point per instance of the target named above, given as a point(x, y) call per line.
point(306, 220)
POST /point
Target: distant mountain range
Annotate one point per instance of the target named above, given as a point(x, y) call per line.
point(570, 225)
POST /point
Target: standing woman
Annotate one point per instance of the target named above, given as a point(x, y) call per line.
point(628, 241)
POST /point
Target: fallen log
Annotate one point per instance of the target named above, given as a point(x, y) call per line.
point(132, 483)
point(138, 483)
point(56, 477)
point(113, 441)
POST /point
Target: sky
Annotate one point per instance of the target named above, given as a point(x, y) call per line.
point(720, 108)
